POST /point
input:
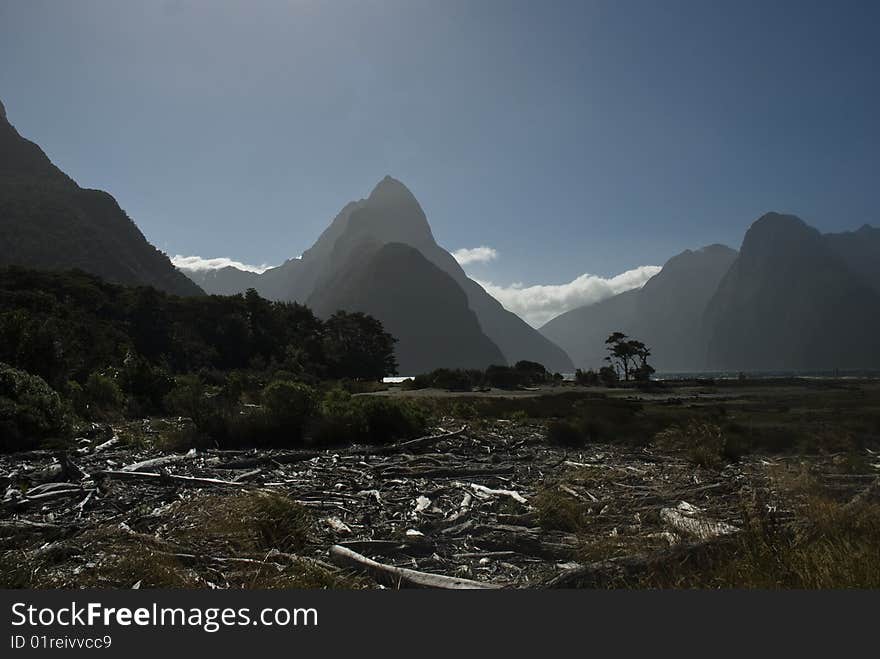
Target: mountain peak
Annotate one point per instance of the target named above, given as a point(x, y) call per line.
point(2, 111)
point(777, 229)
point(778, 221)
point(390, 214)
point(391, 190)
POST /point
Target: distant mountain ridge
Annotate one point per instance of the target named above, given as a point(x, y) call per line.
point(48, 222)
point(391, 214)
point(860, 250)
point(794, 300)
point(666, 313)
point(791, 299)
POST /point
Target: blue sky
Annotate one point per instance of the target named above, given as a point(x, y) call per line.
point(570, 137)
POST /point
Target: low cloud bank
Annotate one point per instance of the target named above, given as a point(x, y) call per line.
point(198, 263)
point(538, 304)
point(482, 254)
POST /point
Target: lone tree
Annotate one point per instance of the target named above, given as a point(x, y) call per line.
point(629, 357)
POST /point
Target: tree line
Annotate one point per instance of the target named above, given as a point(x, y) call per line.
point(64, 326)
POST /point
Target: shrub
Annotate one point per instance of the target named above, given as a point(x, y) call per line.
point(388, 420)
point(146, 386)
point(532, 373)
point(586, 378)
point(505, 377)
point(452, 380)
point(704, 444)
point(565, 433)
point(288, 406)
point(519, 417)
point(608, 376)
point(99, 398)
point(187, 398)
point(559, 512)
point(367, 419)
point(30, 411)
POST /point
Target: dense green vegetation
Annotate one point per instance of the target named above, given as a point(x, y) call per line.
point(30, 411)
point(66, 326)
point(246, 370)
point(522, 374)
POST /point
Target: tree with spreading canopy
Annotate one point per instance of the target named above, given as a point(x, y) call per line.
point(629, 357)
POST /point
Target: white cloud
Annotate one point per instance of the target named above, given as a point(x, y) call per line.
point(198, 263)
point(480, 254)
point(538, 304)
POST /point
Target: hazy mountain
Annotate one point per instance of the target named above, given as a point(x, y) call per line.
point(392, 214)
point(388, 282)
point(666, 313)
point(790, 301)
point(223, 281)
point(48, 222)
point(860, 250)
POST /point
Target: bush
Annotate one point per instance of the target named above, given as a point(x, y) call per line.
point(347, 419)
point(388, 420)
point(557, 511)
point(30, 411)
point(608, 376)
point(146, 386)
point(99, 398)
point(505, 377)
point(187, 398)
point(586, 378)
point(452, 380)
point(565, 433)
point(288, 406)
point(532, 373)
point(704, 444)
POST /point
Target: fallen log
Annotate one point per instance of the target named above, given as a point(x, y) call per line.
point(484, 492)
point(447, 472)
point(168, 478)
point(688, 520)
point(113, 441)
point(398, 576)
point(160, 461)
point(39, 499)
point(19, 525)
point(403, 447)
point(303, 455)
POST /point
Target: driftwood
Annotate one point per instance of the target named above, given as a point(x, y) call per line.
point(397, 576)
point(168, 478)
point(483, 491)
point(430, 512)
point(447, 472)
point(113, 441)
point(687, 520)
point(160, 461)
point(303, 455)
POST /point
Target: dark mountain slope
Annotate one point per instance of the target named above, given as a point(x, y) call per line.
point(48, 222)
point(416, 302)
point(666, 313)
point(860, 250)
point(790, 302)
